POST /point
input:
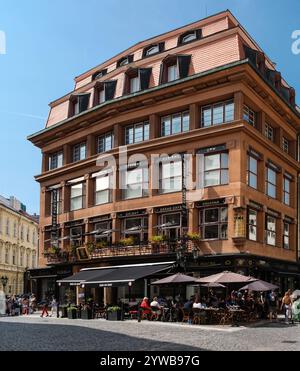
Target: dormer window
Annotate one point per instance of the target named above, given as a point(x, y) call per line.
point(153, 49)
point(97, 75)
point(137, 79)
point(190, 36)
point(125, 61)
point(104, 91)
point(175, 67)
point(79, 103)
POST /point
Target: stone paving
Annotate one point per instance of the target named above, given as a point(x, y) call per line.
point(52, 334)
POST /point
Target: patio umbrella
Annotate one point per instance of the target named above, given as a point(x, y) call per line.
point(226, 278)
point(260, 286)
point(213, 285)
point(175, 279)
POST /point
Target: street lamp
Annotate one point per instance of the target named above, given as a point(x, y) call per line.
point(4, 280)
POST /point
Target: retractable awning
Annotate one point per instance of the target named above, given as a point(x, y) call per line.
point(115, 276)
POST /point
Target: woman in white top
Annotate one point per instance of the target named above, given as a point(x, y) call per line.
point(197, 305)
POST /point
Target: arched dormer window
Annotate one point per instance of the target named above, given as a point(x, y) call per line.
point(153, 49)
point(189, 37)
point(137, 79)
point(125, 61)
point(175, 67)
point(104, 91)
point(99, 74)
point(79, 103)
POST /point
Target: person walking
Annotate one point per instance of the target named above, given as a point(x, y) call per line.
point(286, 305)
point(54, 307)
point(45, 309)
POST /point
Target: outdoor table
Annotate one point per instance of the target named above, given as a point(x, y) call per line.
point(236, 316)
point(209, 313)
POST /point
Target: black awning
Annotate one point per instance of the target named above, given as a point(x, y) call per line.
point(120, 276)
point(82, 277)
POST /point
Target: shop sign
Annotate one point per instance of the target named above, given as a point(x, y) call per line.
point(168, 209)
point(209, 203)
point(130, 214)
point(212, 149)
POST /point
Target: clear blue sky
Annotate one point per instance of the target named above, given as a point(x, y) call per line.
point(49, 42)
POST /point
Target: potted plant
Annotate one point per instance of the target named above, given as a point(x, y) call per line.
point(126, 242)
point(72, 312)
point(157, 242)
point(90, 247)
point(194, 237)
point(86, 313)
point(114, 314)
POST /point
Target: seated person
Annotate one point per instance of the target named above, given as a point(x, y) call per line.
point(145, 306)
point(197, 304)
point(188, 305)
point(155, 304)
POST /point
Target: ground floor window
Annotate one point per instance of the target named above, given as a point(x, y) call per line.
point(271, 230)
point(214, 223)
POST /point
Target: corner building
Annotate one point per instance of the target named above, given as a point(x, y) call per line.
point(205, 89)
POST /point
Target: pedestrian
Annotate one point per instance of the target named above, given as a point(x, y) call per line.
point(32, 304)
point(272, 305)
point(45, 309)
point(53, 307)
point(25, 303)
point(286, 305)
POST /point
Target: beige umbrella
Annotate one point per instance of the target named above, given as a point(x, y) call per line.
point(226, 278)
point(175, 279)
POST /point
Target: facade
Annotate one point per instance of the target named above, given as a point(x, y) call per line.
point(206, 90)
point(18, 245)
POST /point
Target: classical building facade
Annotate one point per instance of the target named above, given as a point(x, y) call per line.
point(18, 245)
point(206, 90)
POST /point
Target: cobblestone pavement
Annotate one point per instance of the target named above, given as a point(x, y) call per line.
point(51, 334)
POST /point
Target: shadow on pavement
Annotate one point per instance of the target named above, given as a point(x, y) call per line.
point(51, 337)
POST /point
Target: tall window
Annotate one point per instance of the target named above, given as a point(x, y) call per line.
point(249, 115)
point(7, 227)
point(105, 143)
point(216, 169)
point(77, 196)
point(56, 160)
point(252, 225)
point(136, 183)
point(102, 190)
point(28, 235)
point(6, 255)
point(286, 236)
point(79, 152)
point(33, 260)
point(214, 223)
point(271, 230)
point(22, 233)
point(269, 132)
point(171, 176)
point(173, 73)
point(285, 145)
point(14, 257)
point(15, 230)
point(175, 124)
point(271, 182)
point(80, 103)
point(287, 190)
point(21, 258)
point(135, 84)
point(252, 171)
point(137, 133)
point(102, 96)
point(217, 114)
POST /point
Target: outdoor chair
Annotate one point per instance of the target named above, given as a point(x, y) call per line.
point(156, 314)
point(199, 317)
point(186, 315)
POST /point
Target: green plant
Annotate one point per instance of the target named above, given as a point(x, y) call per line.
point(101, 245)
point(158, 239)
point(90, 247)
point(72, 308)
point(195, 237)
point(127, 241)
point(113, 309)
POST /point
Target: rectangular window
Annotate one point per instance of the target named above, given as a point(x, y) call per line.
point(252, 172)
point(173, 73)
point(76, 237)
point(249, 115)
point(56, 160)
point(218, 114)
point(102, 96)
point(216, 169)
point(287, 190)
point(102, 190)
point(137, 133)
point(286, 236)
point(271, 230)
point(285, 145)
point(136, 183)
point(171, 177)
point(214, 223)
point(58, 202)
point(105, 143)
point(77, 196)
point(271, 182)
point(135, 84)
point(269, 132)
point(252, 225)
point(175, 124)
point(79, 152)
point(136, 228)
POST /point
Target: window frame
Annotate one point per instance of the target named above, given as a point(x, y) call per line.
point(211, 107)
point(133, 127)
point(142, 186)
point(56, 160)
point(250, 173)
point(269, 132)
point(105, 137)
point(286, 192)
point(171, 118)
point(250, 225)
point(285, 145)
point(82, 196)
point(286, 235)
point(170, 178)
point(203, 224)
point(268, 217)
point(249, 115)
point(269, 167)
point(78, 147)
point(107, 190)
point(221, 169)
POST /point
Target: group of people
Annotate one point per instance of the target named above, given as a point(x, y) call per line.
point(265, 305)
point(20, 305)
